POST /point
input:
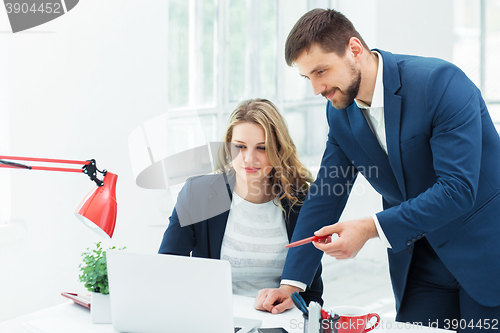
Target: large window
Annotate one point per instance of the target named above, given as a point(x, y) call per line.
point(476, 47)
point(192, 50)
point(222, 52)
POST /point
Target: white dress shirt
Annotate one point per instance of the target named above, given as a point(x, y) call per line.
point(374, 115)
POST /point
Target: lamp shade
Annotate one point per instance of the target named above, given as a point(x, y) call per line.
point(98, 209)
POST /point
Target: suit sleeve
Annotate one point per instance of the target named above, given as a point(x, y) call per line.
point(176, 239)
point(324, 204)
point(455, 106)
point(315, 291)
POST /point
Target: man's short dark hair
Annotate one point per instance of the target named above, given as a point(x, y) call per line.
point(328, 28)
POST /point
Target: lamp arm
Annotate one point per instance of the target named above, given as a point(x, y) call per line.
point(89, 168)
point(15, 165)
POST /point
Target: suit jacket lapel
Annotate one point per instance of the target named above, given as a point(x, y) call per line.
point(392, 115)
point(216, 229)
point(290, 218)
point(367, 140)
point(216, 225)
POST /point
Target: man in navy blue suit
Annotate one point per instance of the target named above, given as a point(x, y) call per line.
point(419, 131)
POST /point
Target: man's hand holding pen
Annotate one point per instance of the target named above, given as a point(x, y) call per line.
point(352, 235)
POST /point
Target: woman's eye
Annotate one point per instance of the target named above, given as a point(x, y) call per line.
point(261, 148)
point(239, 146)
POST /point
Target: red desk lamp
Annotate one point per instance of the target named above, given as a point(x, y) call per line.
point(98, 208)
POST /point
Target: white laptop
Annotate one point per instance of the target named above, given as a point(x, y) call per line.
point(157, 293)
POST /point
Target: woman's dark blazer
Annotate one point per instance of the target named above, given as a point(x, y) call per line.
point(199, 219)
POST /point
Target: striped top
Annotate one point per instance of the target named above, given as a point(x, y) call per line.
point(254, 244)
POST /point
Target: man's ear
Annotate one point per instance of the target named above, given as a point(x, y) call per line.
point(355, 47)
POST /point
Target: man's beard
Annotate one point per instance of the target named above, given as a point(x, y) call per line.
point(350, 93)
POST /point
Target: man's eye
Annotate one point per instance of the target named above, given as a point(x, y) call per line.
point(321, 72)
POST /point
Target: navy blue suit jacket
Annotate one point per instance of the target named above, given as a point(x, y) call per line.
point(203, 236)
point(439, 180)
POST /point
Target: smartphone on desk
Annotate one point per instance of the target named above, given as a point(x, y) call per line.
point(272, 330)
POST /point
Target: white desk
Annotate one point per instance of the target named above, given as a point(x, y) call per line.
point(69, 317)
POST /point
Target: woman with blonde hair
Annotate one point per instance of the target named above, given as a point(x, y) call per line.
point(246, 212)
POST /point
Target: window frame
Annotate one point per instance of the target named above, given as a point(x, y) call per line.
point(222, 105)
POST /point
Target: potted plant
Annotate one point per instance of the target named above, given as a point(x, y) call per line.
point(94, 273)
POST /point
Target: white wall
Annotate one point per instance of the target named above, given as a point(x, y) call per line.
point(4, 137)
point(77, 86)
point(420, 27)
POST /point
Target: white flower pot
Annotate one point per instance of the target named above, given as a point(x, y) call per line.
point(100, 309)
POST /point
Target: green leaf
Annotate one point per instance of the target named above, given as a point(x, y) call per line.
point(93, 270)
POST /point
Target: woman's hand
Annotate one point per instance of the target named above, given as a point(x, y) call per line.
point(275, 300)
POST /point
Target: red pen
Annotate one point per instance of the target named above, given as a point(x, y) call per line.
point(307, 240)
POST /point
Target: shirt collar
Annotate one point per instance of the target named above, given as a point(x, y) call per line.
point(378, 92)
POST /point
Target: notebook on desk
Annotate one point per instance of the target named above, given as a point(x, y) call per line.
point(164, 293)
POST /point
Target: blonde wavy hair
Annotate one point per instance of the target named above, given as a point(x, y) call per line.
point(289, 178)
